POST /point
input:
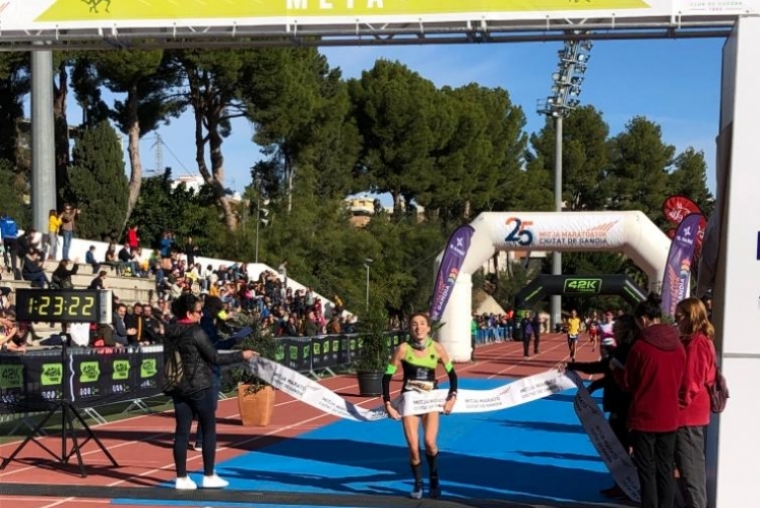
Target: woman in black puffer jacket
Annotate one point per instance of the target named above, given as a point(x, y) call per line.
point(194, 396)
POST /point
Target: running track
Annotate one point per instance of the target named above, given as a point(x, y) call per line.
point(142, 444)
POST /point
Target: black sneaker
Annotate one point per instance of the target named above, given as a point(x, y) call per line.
point(435, 492)
point(612, 492)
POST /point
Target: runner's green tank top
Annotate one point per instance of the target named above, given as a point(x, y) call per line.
point(419, 371)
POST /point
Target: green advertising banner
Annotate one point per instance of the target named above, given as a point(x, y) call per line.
point(121, 370)
point(319, 347)
point(94, 377)
point(150, 374)
point(52, 374)
point(11, 377)
point(88, 372)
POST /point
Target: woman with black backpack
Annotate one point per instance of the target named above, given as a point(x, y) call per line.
point(189, 357)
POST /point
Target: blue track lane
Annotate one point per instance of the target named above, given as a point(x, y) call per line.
point(531, 453)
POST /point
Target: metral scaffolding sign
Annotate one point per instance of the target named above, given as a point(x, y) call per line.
point(29, 15)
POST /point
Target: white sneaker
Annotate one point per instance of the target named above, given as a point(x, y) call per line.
point(416, 493)
point(185, 483)
point(214, 482)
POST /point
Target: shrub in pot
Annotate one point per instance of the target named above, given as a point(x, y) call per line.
point(256, 398)
point(375, 351)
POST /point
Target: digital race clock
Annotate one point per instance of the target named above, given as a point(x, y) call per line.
point(64, 306)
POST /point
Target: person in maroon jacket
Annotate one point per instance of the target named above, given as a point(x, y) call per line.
point(652, 375)
point(697, 334)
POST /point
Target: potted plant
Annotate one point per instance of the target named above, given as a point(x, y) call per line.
point(375, 352)
point(255, 397)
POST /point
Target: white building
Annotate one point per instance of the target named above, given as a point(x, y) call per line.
point(191, 182)
point(195, 183)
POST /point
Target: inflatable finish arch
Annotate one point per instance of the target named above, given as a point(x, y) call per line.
point(631, 233)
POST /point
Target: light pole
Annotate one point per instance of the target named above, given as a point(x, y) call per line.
point(573, 60)
point(257, 182)
point(258, 208)
point(367, 262)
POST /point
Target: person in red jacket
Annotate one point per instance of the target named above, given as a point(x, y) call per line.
point(652, 375)
point(133, 238)
point(697, 334)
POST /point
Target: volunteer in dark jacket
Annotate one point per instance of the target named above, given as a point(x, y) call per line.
point(212, 318)
point(697, 334)
point(197, 395)
point(615, 400)
point(652, 375)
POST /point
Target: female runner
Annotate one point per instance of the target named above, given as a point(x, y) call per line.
point(418, 360)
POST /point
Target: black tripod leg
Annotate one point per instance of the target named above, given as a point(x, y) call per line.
point(29, 437)
point(68, 428)
point(92, 436)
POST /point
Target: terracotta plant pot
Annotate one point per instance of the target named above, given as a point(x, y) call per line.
point(256, 408)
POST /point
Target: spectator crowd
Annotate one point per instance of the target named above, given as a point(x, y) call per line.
point(267, 300)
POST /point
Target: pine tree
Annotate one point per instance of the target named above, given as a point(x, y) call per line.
point(689, 178)
point(12, 191)
point(98, 183)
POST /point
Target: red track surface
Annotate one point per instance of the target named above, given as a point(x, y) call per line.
point(142, 444)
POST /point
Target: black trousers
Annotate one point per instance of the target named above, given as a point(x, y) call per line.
point(690, 459)
point(526, 343)
point(654, 455)
point(619, 425)
point(10, 253)
point(201, 405)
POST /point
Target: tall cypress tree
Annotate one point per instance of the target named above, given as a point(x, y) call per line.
point(14, 85)
point(98, 183)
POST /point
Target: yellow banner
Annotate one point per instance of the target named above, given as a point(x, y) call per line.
point(122, 10)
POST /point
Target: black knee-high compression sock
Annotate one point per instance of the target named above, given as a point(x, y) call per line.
point(417, 473)
point(432, 461)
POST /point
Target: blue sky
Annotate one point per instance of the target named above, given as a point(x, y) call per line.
point(675, 83)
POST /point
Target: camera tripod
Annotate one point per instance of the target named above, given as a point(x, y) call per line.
point(69, 415)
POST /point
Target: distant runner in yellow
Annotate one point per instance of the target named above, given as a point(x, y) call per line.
point(573, 332)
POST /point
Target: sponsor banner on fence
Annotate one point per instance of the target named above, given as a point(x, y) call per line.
point(13, 382)
point(94, 377)
point(448, 271)
point(90, 377)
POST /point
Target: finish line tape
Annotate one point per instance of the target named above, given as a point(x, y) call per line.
point(522, 391)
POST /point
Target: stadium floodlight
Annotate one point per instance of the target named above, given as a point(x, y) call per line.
point(566, 87)
point(260, 212)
